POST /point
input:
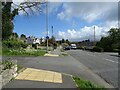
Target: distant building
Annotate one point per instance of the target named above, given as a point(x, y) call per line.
point(33, 40)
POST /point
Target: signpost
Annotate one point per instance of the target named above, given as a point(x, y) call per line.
point(47, 26)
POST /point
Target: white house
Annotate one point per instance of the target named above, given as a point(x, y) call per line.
point(36, 41)
point(33, 40)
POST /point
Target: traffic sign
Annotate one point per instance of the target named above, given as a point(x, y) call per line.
point(47, 37)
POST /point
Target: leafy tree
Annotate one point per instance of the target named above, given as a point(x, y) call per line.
point(23, 37)
point(63, 40)
point(53, 39)
point(8, 15)
point(110, 42)
point(15, 35)
point(67, 41)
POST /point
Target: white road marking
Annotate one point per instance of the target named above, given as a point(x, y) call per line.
point(110, 60)
point(91, 55)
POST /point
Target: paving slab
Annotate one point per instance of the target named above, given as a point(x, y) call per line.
point(49, 79)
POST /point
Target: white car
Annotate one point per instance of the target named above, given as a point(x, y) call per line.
point(73, 46)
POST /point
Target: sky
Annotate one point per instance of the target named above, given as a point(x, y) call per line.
point(70, 20)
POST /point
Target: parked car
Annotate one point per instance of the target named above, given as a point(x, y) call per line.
point(67, 48)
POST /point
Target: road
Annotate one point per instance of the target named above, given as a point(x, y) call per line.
point(64, 64)
point(103, 64)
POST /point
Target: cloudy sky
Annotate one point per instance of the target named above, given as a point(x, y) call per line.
point(71, 20)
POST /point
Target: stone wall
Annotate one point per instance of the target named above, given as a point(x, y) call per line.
point(7, 75)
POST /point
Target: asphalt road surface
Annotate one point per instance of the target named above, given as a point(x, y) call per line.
point(63, 64)
point(103, 64)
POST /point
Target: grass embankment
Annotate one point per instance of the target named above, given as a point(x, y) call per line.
point(84, 84)
point(23, 52)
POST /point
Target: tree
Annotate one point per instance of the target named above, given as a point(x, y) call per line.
point(110, 42)
point(67, 41)
point(63, 40)
point(10, 10)
point(23, 37)
point(14, 36)
point(7, 17)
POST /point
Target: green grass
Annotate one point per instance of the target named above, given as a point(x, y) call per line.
point(22, 52)
point(0, 52)
point(84, 84)
point(62, 50)
point(19, 67)
point(64, 54)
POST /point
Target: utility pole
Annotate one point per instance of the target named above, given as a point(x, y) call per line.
point(52, 30)
point(94, 35)
point(52, 38)
point(47, 26)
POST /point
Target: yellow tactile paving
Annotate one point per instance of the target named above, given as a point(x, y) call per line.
point(52, 55)
point(40, 75)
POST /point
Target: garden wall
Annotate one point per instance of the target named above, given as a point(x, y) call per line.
point(7, 75)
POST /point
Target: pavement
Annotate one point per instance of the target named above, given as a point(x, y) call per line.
point(40, 75)
point(65, 66)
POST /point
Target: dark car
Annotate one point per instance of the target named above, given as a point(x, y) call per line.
point(67, 48)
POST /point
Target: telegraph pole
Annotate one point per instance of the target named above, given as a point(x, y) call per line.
point(52, 38)
point(52, 30)
point(47, 26)
point(94, 35)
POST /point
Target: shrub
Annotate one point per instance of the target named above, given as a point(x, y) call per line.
point(97, 49)
point(34, 46)
point(24, 45)
point(7, 64)
point(11, 44)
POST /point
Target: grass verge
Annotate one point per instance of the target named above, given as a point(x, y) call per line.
point(86, 85)
point(62, 50)
point(22, 52)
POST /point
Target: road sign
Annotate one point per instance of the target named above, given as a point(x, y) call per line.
point(47, 37)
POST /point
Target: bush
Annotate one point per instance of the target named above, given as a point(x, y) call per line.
point(7, 64)
point(34, 46)
point(24, 45)
point(13, 44)
point(97, 49)
point(55, 45)
point(80, 47)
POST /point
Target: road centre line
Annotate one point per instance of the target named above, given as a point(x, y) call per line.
point(110, 60)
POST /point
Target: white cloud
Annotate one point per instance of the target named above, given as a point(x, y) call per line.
point(89, 11)
point(87, 32)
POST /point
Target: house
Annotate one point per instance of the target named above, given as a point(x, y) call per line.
point(33, 40)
